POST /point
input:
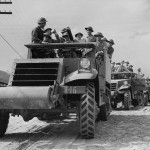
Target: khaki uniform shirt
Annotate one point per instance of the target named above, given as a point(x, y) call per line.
point(91, 38)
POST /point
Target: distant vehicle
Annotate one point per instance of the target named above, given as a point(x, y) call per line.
point(129, 89)
point(56, 87)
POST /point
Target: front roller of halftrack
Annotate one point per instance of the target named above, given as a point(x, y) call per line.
point(88, 112)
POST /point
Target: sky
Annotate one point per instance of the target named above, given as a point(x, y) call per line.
point(127, 22)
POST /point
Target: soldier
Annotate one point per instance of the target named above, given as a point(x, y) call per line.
point(47, 36)
point(37, 33)
point(67, 53)
point(110, 48)
point(127, 64)
point(49, 53)
point(105, 41)
point(99, 44)
point(79, 39)
point(90, 37)
point(79, 36)
point(37, 36)
point(99, 41)
point(130, 68)
point(66, 38)
point(139, 73)
point(113, 68)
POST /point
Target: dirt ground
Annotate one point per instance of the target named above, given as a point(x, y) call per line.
point(125, 130)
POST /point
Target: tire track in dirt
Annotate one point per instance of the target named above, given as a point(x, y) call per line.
point(44, 133)
point(125, 130)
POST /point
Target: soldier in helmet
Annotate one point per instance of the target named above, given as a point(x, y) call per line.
point(127, 64)
point(113, 68)
point(99, 41)
point(78, 37)
point(99, 44)
point(110, 48)
point(37, 32)
point(130, 68)
point(47, 38)
point(90, 37)
point(66, 53)
point(37, 35)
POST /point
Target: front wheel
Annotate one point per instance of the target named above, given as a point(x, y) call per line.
point(145, 99)
point(88, 112)
point(4, 120)
point(127, 100)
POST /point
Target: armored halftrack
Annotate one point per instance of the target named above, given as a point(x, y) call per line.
point(56, 87)
point(128, 88)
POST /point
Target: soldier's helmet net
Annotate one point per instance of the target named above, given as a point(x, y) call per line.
point(41, 20)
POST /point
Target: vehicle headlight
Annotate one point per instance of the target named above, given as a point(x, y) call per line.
point(85, 63)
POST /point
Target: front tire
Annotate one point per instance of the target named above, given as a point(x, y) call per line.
point(88, 112)
point(145, 99)
point(4, 120)
point(127, 100)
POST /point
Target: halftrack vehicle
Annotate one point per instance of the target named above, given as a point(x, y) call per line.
point(128, 88)
point(56, 87)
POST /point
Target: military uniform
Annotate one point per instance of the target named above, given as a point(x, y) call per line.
point(66, 53)
point(49, 53)
point(110, 51)
point(91, 38)
point(37, 35)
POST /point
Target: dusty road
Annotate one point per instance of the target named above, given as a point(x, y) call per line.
point(125, 130)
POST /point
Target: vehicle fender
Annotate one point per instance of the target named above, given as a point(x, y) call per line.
point(4, 77)
point(78, 75)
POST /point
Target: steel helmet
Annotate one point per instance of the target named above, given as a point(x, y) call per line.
point(99, 34)
point(111, 41)
point(89, 28)
point(42, 20)
point(79, 33)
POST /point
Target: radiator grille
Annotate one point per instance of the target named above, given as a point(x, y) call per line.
point(113, 86)
point(35, 74)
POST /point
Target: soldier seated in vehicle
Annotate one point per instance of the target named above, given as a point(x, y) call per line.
point(66, 53)
point(79, 39)
point(110, 50)
point(49, 53)
point(99, 46)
